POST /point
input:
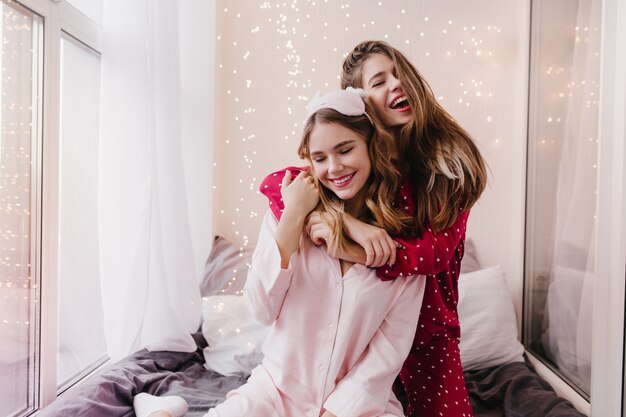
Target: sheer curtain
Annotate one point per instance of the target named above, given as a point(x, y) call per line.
point(150, 291)
point(567, 338)
point(81, 341)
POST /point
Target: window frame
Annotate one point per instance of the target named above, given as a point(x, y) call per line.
point(608, 372)
point(58, 17)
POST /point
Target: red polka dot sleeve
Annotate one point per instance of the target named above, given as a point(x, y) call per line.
point(270, 188)
point(428, 255)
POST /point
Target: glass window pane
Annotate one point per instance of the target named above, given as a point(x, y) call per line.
point(81, 333)
point(561, 207)
point(19, 290)
point(90, 8)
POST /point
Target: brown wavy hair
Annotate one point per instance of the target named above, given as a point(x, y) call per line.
point(444, 165)
point(381, 186)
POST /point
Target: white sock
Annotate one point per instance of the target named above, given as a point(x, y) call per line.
point(146, 404)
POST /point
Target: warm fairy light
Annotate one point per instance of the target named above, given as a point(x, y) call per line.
point(299, 53)
point(18, 291)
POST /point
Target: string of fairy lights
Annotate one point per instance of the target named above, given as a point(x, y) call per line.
point(288, 31)
point(273, 56)
point(16, 167)
point(289, 28)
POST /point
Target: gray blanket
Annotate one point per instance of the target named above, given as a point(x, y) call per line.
point(515, 390)
point(512, 390)
point(110, 393)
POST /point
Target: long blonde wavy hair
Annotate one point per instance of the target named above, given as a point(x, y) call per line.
point(381, 186)
point(444, 166)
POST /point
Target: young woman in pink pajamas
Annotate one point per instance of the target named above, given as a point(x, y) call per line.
point(444, 176)
point(339, 335)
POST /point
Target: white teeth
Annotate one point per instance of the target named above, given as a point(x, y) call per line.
point(341, 181)
point(398, 101)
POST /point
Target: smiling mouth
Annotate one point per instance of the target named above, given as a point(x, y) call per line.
point(401, 103)
point(342, 181)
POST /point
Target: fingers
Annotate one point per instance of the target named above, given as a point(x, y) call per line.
point(380, 249)
point(393, 246)
point(317, 241)
point(304, 176)
point(286, 179)
point(318, 234)
point(378, 253)
point(369, 254)
point(318, 230)
point(382, 252)
point(313, 219)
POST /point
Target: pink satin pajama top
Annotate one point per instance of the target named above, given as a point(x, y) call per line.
point(335, 343)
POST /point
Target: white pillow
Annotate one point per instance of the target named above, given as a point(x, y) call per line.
point(488, 323)
point(235, 339)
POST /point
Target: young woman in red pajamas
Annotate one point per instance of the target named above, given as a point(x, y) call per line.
point(444, 176)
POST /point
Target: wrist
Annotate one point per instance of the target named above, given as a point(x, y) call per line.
point(348, 222)
point(293, 214)
point(353, 252)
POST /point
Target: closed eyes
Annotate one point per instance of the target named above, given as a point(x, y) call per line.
point(320, 159)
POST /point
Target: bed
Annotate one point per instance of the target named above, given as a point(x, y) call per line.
point(500, 381)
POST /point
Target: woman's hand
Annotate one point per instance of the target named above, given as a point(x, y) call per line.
point(374, 247)
point(301, 194)
point(300, 197)
point(380, 248)
point(319, 231)
point(328, 414)
point(316, 228)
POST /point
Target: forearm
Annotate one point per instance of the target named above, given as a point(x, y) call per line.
point(349, 223)
point(375, 244)
point(430, 254)
point(353, 252)
point(288, 235)
point(267, 283)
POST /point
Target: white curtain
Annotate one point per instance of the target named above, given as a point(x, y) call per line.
point(569, 304)
point(150, 290)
